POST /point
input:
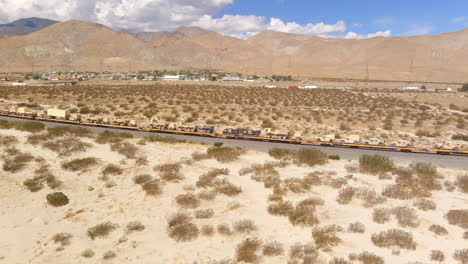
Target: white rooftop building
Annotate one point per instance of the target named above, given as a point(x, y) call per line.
point(171, 78)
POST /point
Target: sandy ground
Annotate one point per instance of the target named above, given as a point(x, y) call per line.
point(28, 222)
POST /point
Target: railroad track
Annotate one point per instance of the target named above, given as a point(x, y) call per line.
point(251, 138)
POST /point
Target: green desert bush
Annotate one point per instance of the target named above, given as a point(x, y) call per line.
point(375, 164)
point(80, 164)
point(334, 157)
point(225, 154)
point(394, 238)
point(57, 199)
point(181, 229)
point(247, 250)
point(101, 230)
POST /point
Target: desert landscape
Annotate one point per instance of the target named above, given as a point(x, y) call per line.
point(111, 198)
point(425, 119)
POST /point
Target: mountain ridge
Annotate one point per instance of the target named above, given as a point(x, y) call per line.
point(89, 46)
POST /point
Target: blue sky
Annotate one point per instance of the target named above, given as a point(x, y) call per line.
point(410, 17)
point(246, 18)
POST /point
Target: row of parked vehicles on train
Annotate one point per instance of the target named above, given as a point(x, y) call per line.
point(206, 130)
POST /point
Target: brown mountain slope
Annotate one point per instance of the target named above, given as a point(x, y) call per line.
point(76, 45)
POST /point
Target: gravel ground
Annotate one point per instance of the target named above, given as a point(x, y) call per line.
point(449, 161)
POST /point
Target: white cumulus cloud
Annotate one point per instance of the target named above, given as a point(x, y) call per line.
point(353, 35)
point(163, 15)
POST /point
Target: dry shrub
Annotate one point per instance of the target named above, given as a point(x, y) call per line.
point(296, 185)
point(369, 197)
point(280, 153)
point(345, 195)
point(394, 238)
point(351, 168)
point(63, 239)
point(34, 185)
point(406, 191)
point(140, 179)
point(126, 149)
point(66, 146)
point(170, 172)
point(36, 139)
point(181, 229)
point(313, 179)
point(188, 201)
point(465, 235)
point(16, 160)
point(112, 169)
point(8, 141)
point(264, 170)
point(197, 156)
point(112, 137)
point(438, 230)
point(310, 157)
point(109, 255)
point(204, 213)
point(424, 204)
point(101, 230)
point(207, 180)
point(462, 183)
point(135, 226)
point(207, 230)
point(29, 126)
point(224, 229)
point(247, 250)
point(367, 258)
point(207, 195)
point(60, 131)
point(88, 253)
point(338, 182)
point(281, 208)
point(222, 261)
point(336, 260)
point(152, 188)
point(303, 253)
point(461, 256)
point(245, 226)
point(458, 218)
point(273, 248)
point(225, 154)
point(304, 213)
point(437, 255)
point(449, 186)
point(80, 164)
point(356, 227)
point(325, 237)
point(407, 217)
point(227, 188)
point(375, 164)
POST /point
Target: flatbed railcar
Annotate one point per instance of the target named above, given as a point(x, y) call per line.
point(241, 136)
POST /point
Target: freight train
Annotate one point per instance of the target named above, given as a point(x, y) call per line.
point(153, 125)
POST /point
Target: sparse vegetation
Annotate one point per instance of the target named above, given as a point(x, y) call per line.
point(458, 218)
point(461, 255)
point(273, 248)
point(438, 230)
point(375, 164)
point(437, 255)
point(88, 253)
point(80, 164)
point(325, 237)
point(247, 250)
point(204, 213)
point(57, 199)
point(245, 226)
point(101, 230)
point(187, 201)
point(135, 226)
point(394, 238)
point(181, 229)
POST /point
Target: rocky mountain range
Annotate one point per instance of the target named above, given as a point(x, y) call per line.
point(80, 46)
point(24, 26)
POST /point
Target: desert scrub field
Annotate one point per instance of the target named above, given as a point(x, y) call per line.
point(385, 114)
point(213, 204)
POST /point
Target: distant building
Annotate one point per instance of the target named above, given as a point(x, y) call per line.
point(18, 84)
point(309, 87)
point(231, 79)
point(171, 78)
